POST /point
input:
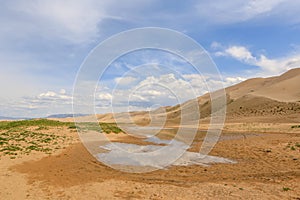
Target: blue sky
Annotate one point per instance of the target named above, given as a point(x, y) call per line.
point(43, 44)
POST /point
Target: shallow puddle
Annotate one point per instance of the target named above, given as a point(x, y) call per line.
point(172, 153)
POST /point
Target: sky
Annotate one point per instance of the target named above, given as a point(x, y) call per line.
point(44, 43)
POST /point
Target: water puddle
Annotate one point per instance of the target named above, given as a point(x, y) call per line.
point(157, 156)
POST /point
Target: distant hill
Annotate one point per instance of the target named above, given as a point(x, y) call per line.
point(11, 118)
point(273, 99)
point(65, 115)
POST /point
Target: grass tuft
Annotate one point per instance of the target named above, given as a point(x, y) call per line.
point(286, 189)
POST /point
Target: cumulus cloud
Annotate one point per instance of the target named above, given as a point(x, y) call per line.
point(105, 96)
point(40, 105)
point(268, 66)
point(240, 53)
point(278, 65)
point(53, 96)
point(163, 90)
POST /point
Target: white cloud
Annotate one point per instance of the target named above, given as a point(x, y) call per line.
point(209, 83)
point(240, 53)
point(50, 95)
point(126, 80)
point(255, 7)
point(41, 105)
point(233, 80)
point(278, 65)
point(267, 65)
point(62, 91)
point(164, 89)
point(215, 45)
point(233, 11)
point(105, 96)
point(75, 21)
point(47, 94)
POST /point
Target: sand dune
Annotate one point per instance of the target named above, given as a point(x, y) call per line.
point(281, 88)
point(273, 99)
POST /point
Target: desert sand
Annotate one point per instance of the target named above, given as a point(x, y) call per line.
point(266, 167)
point(261, 133)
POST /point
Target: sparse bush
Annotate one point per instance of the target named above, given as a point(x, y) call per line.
point(295, 126)
point(293, 148)
point(286, 189)
point(17, 137)
point(72, 127)
point(110, 128)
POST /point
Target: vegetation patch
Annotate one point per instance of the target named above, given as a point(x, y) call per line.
point(101, 127)
point(41, 123)
point(22, 137)
point(110, 128)
point(293, 146)
point(295, 126)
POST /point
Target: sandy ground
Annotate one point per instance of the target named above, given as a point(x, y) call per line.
point(266, 167)
point(265, 146)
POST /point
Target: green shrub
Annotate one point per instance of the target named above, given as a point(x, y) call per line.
point(110, 128)
point(293, 148)
point(295, 126)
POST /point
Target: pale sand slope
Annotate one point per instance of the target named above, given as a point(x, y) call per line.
point(269, 100)
point(284, 88)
